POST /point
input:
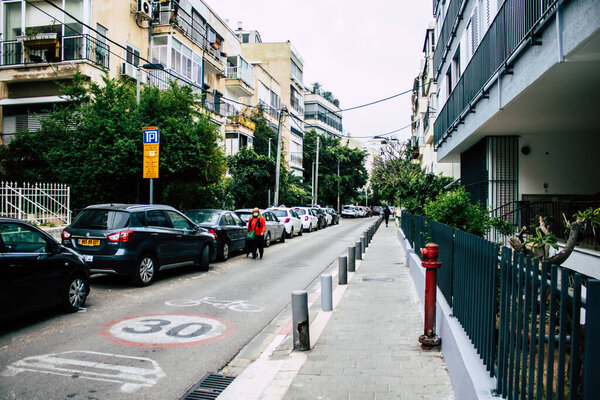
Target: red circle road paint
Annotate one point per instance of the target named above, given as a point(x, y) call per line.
point(166, 330)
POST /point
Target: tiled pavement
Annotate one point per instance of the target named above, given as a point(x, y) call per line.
point(369, 347)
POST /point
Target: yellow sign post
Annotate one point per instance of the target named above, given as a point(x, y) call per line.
point(150, 163)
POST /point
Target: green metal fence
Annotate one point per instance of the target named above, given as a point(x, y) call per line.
point(527, 320)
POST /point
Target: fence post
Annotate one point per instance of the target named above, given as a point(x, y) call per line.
point(591, 363)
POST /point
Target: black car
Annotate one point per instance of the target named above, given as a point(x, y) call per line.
point(138, 240)
point(335, 217)
point(320, 214)
point(37, 272)
point(229, 230)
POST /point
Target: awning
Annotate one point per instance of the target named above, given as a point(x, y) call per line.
point(32, 100)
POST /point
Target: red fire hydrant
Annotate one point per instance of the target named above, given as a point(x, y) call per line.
point(429, 261)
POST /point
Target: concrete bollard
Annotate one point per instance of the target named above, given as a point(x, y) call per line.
point(358, 250)
point(326, 292)
point(300, 320)
point(351, 259)
point(342, 270)
point(363, 244)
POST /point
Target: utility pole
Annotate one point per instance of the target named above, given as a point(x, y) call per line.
point(317, 174)
point(338, 186)
point(312, 185)
point(269, 194)
point(278, 161)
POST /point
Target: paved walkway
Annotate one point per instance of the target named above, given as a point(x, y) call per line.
point(369, 347)
point(366, 348)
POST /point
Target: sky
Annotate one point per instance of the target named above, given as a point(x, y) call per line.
point(361, 51)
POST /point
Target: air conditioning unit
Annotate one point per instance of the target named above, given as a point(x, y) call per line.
point(131, 71)
point(145, 8)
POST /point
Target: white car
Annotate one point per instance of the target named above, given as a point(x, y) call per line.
point(328, 216)
point(309, 221)
point(361, 211)
point(349, 211)
point(291, 220)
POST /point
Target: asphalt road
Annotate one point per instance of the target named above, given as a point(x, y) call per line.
point(156, 342)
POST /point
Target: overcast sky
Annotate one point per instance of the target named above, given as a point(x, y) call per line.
point(359, 50)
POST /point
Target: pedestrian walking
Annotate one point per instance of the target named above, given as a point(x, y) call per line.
point(257, 227)
point(386, 214)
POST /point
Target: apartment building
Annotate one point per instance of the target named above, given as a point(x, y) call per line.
point(322, 115)
point(43, 47)
point(423, 105)
point(518, 96)
point(285, 65)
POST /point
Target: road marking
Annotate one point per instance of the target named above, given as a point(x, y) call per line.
point(234, 305)
point(132, 373)
point(166, 330)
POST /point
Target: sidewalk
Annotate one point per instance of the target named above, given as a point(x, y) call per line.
point(366, 348)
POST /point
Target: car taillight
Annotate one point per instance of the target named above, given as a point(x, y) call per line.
point(286, 220)
point(66, 234)
point(123, 236)
point(212, 232)
point(306, 217)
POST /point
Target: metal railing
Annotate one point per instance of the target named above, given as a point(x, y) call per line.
point(272, 111)
point(296, 105)
point(39, 203)
point(450, 19)
point(162, 79)
point(527, 320)
point(66, 48)
point(515, 22)
point(243, 74)
point(325, 118)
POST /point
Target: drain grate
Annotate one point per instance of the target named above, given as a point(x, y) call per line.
point(378, 279)
point(209, 387)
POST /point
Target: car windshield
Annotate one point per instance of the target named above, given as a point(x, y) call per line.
point(203, 216)
point(280, 213)
point(348, 208)
point(101, 219)
point(300, 211)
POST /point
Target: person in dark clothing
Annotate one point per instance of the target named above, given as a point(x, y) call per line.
point(257, 224)
point(386, 214)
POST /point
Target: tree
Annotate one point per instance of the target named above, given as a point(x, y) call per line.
point(252, 174)
point(94, 144)
point(353, 174)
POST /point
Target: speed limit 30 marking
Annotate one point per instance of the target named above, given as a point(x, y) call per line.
point(166, 330)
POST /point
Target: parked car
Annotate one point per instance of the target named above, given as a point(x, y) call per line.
point(37, 272)
point(327, 215)
point(349, 211)
point(335, 217)
point(275, 229)
point(290, 220)
point(227, 227)
point(309, 221)
point(138, 240)
point(320, 214)
point(361, 211)
point(377, 210)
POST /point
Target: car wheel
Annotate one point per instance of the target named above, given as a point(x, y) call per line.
point(268, 239)
point(224, 256)
point(145, 271)
point(75, 294)
point(283, 235)
point(204, 259)
point(291, 235)
point(310, 227)
point(300, 232)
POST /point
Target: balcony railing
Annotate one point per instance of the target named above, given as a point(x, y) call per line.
point(325, 118)
point(162, 78)
point(448, 26)
point(66, 48)
point(296, 105)
point(273, 111)
point(244, 74)
point(515, 22)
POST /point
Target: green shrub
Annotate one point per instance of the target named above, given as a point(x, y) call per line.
point(455, 209)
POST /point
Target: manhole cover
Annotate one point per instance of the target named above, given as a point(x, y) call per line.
point(378, 279)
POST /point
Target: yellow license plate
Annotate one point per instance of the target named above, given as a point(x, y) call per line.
point(89, 242)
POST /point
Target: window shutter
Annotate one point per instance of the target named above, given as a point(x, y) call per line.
point(474, 31)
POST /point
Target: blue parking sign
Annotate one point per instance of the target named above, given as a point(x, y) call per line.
point(151, 135)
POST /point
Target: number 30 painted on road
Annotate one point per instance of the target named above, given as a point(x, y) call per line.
point(166, 330)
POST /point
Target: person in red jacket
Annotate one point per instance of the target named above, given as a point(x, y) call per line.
point(257, 224)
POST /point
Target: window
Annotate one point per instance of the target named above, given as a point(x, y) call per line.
point(101, 219)
point(12, 20)
point(228, 219)
point(16, 238)
point(237, 220)
point(473, 32)
point(160, 50)
point(245, 37)
point(133, 56)
point(296, 70)
point(101, 33)
point(178, 221)
point(456, 67)
point(157, 218)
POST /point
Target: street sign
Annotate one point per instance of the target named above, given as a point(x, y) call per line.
point(151, 138)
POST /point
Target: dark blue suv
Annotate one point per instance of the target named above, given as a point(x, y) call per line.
point(138, 240)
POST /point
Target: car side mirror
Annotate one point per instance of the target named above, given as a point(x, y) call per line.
point(55, 248)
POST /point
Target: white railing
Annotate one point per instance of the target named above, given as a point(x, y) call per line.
point(38, 203)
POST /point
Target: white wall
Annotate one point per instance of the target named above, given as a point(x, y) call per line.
point(567, 162)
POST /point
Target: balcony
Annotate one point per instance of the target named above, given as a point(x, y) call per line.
point(239, 125)
point(50, 48)
point(162, 78)
point(324, 118)
point(269, 109)
point(239, 77)
point(296, 106)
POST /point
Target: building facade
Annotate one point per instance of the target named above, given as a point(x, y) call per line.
point(285, 65)
point(423, 104)
point(518, 93)
point(43, 47)
point(322, 115)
